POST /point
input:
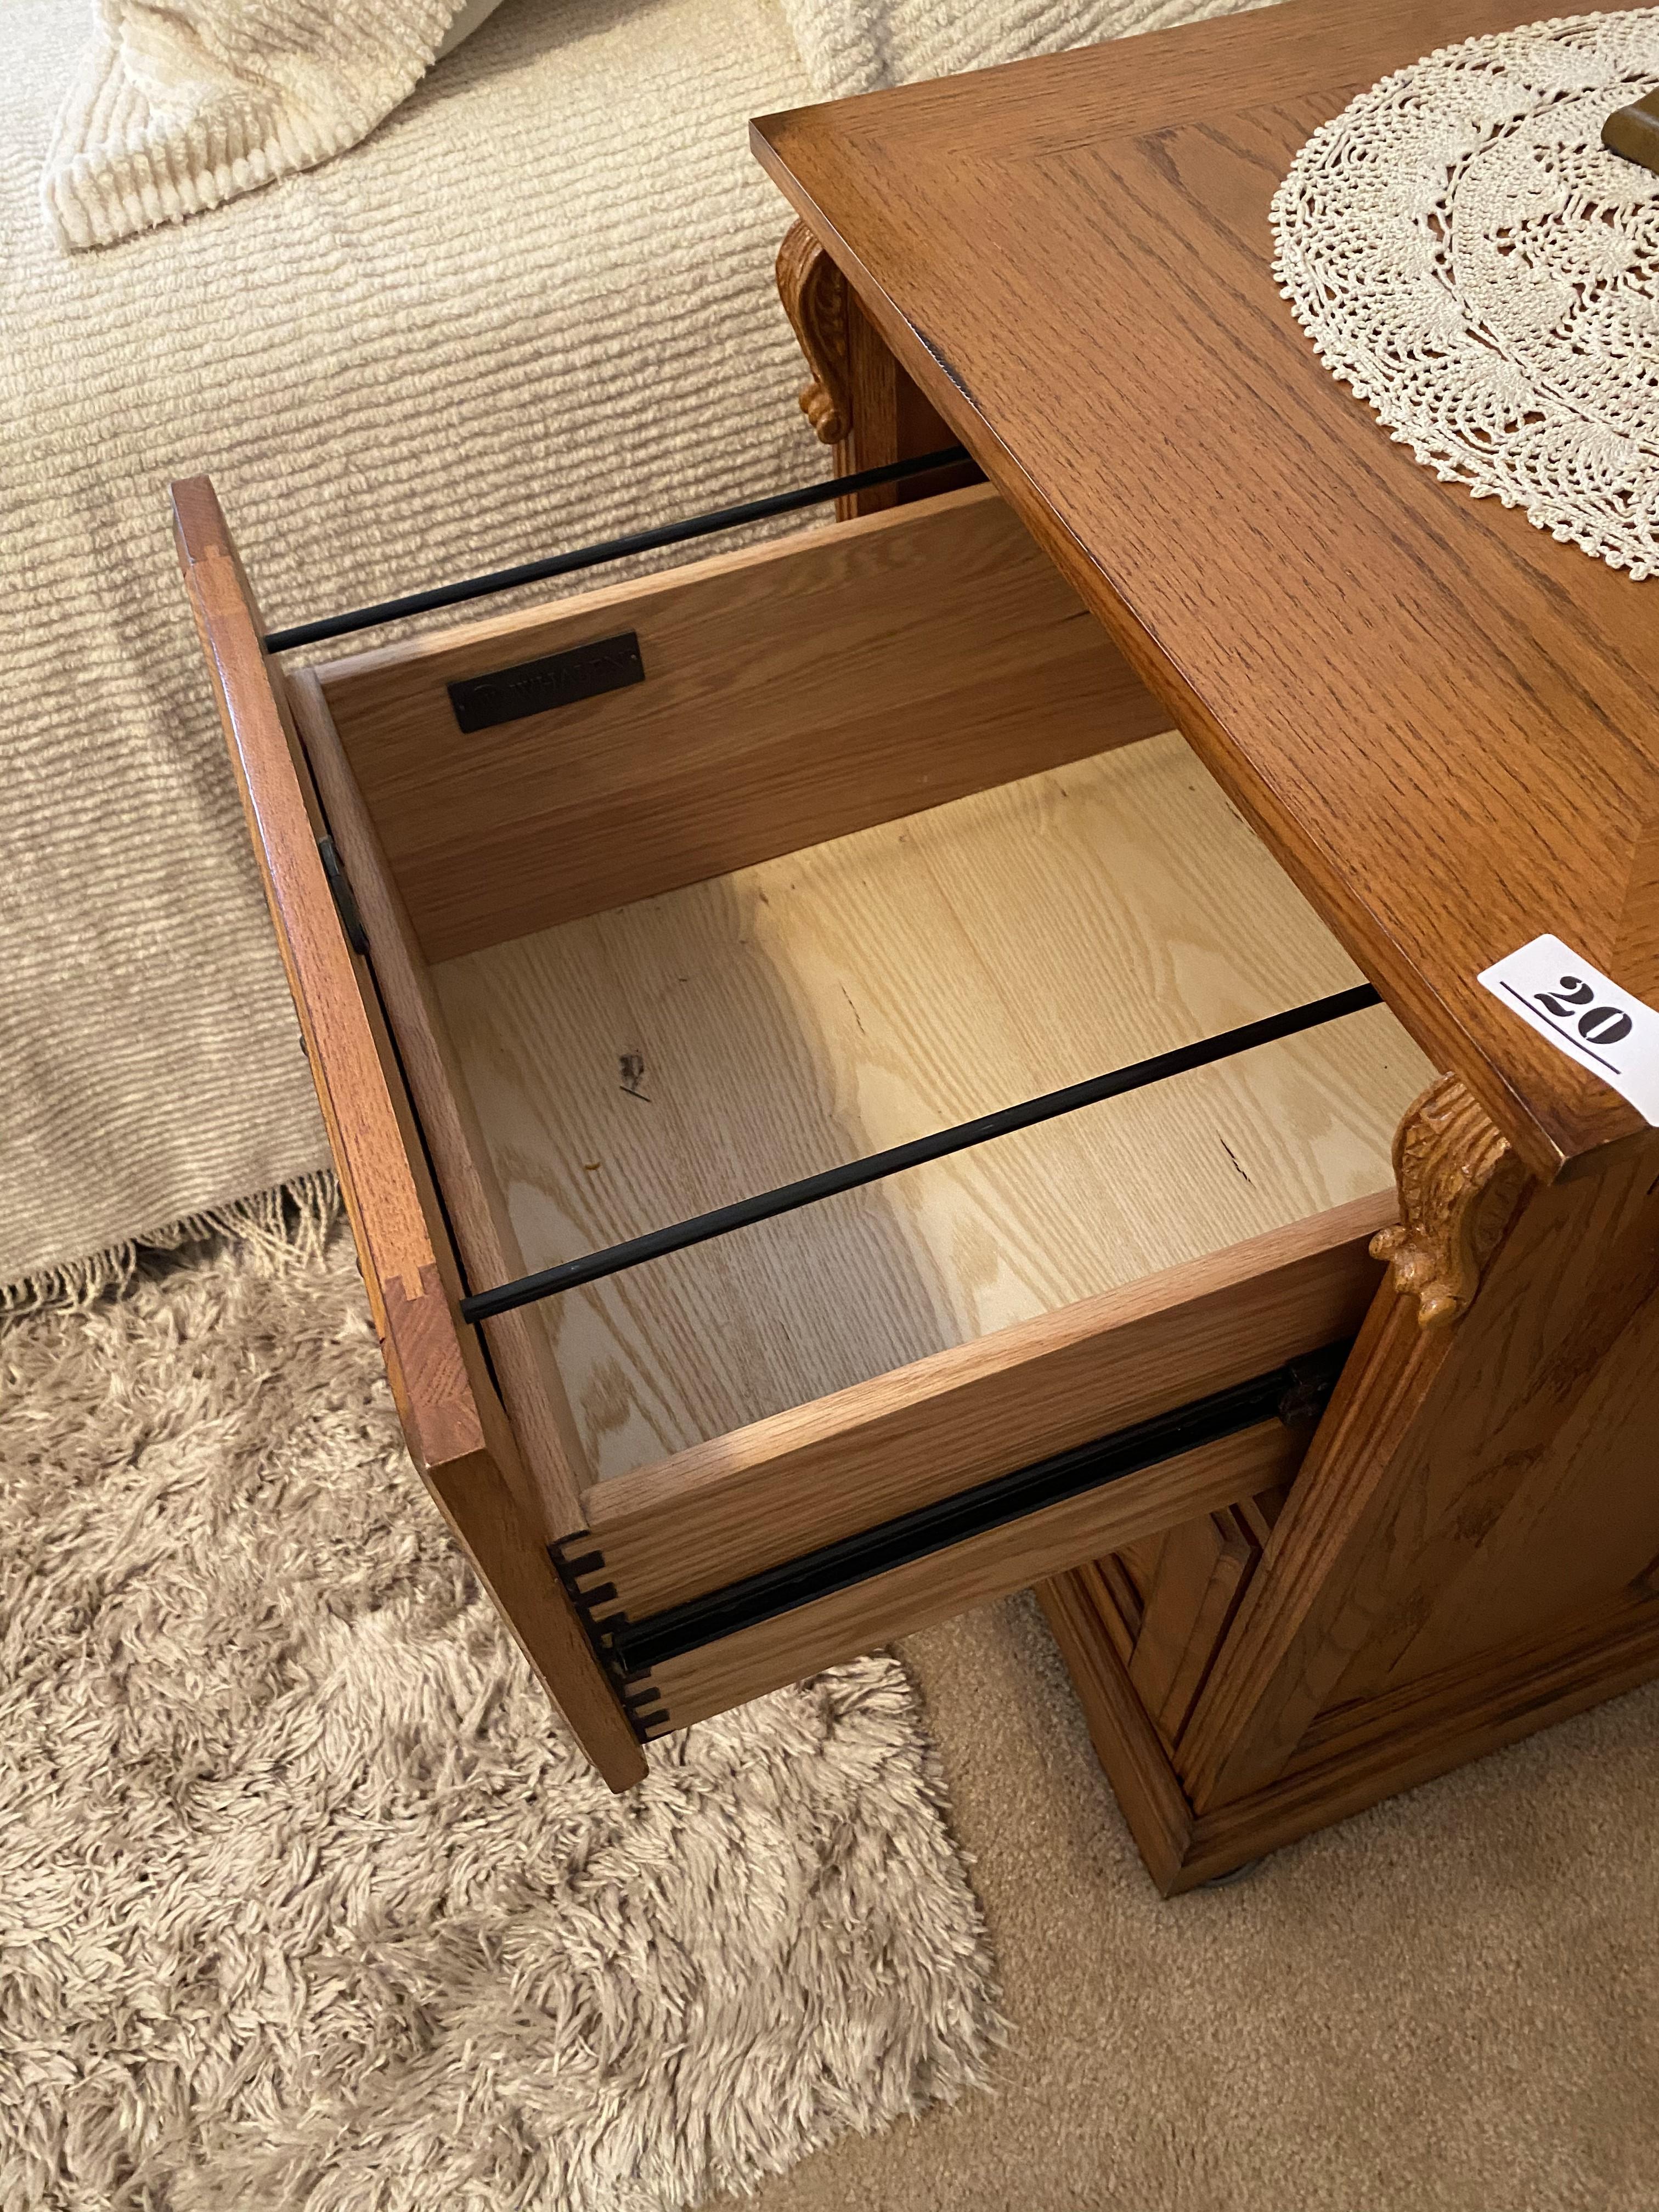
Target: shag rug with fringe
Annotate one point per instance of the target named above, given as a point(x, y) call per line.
point(306, 1900)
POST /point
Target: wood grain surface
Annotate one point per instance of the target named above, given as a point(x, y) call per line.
point(763, 1494)
point(972, 1572)
point(1080, 1609)
point(640, 1066)
point(1442, 721)
point(1203, 1568)
point(520, 1352)
point(1469, 1483)
point(457, 1432)
point(792, 692)
point(1365, 1752)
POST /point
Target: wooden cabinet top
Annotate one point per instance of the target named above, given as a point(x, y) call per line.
point(1442, 721)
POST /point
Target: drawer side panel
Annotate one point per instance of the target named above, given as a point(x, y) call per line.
point(456, 1430)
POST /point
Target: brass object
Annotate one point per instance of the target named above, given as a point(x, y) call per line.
point(1633, 131)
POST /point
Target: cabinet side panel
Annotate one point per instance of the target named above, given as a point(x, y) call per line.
point(1487, 1461)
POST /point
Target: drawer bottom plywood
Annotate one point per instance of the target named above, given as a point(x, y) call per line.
point(676, 1054)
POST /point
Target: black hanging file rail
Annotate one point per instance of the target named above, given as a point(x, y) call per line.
point(831, 1183)
point(613, 549)
point(853, 1174)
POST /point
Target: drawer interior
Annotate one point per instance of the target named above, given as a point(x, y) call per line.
point(860, 836)
point(681, 1052)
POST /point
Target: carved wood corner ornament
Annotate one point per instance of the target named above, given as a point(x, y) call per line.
point(1460, 1183)
point(814, 295)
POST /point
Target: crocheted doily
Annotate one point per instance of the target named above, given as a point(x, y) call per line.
point(1465, 254)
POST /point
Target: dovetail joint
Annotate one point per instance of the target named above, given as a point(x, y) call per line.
point(576, 1558)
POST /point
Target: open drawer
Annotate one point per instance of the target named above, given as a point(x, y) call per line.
point(606, 916)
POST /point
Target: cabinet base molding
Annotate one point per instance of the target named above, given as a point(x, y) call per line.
point(1353, 1757)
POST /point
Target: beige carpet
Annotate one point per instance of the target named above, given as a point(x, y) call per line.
point(301, 1905)
point(305, 1901)
point(1446, 2005)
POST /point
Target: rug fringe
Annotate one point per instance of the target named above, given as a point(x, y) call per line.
point(283, 1227)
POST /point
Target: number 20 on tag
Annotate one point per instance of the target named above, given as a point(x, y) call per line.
point(1584, 1014)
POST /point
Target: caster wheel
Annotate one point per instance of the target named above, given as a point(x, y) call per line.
point(1238, 1873)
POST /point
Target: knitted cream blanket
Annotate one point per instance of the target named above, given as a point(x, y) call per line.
point(179, 104)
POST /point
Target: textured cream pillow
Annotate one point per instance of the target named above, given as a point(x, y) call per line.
point(181, 104)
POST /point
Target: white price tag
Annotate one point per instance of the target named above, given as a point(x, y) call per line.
point(1584, 1014)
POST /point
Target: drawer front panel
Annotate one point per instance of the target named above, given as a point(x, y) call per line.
point(871, 1613)
point(849, 1523)
point(824, 1470)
